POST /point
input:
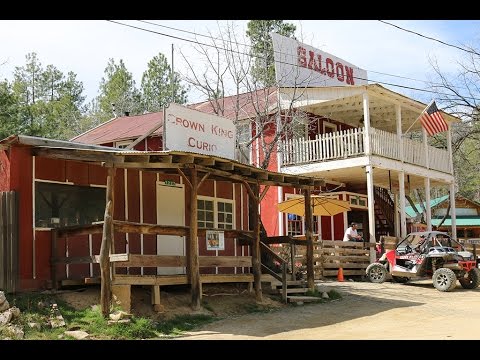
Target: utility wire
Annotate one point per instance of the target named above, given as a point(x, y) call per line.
point(285, 63)
point(430, 38)
point(249, 45)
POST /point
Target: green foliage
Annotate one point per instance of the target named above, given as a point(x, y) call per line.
point(35, 307)
point(258, 31)
point(40, 102)
point(156, 85)
point(117, 87)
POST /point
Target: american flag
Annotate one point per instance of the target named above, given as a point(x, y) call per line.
point(432, 120)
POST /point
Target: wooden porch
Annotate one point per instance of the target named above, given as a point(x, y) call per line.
point(350, 143)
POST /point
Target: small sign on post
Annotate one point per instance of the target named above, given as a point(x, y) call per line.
point(215, 240)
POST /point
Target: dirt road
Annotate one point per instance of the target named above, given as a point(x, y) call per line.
point(366, 311)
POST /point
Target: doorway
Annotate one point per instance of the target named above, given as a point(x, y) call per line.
point(170, 211)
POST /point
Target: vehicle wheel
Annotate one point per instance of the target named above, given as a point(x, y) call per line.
point(376, 273)
point(472, 280)
point(444, 279)
point(400, 280)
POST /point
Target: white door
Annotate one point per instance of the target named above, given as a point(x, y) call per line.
point(170, 211)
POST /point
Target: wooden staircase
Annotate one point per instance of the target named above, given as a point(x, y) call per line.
point(291, 290)
point(384, 212)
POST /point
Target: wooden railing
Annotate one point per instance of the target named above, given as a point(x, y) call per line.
point(283, 264)
point(138, 260)
point(350, 143)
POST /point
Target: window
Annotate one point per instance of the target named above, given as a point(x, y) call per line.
point(215, 213)
point(122, 144)
point(63, 205)
point(329, 127)
point(294, 225)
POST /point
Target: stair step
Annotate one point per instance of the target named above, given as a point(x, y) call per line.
point(297, 298)
point(296, 290)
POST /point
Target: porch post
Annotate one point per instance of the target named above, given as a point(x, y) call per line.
point(366, 121)
point(371, 211)
point(427, 205)
point(308, 233)
point(403, 219)
point(449, 149)
point(398, 116)
point(105, 248)
point(396, 220)
point(453, 215)
point(425, 148)
point(253, 192)
point(193, 261)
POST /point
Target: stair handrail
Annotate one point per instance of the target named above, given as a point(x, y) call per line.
point(283, 264)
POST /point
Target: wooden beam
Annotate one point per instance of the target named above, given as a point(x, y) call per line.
point(205, 161)
point(225, 166)
point(249, 190)
point(150, 229)
point(183, 159)
point(144, 165)
point(226, 261)
point(256, 260)
point(264, 192)
point(137, 158)
point(187, 181)
point(308, 227)
point(80, 230)
point(106, 285)
point(193, 261)
point(136, 260)
point(203, 179)
point(75, 154)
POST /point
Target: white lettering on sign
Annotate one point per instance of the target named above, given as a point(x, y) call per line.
point(195, 131)
point(298, 64)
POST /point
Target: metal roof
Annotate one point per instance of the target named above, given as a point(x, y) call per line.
point(434, 202)
point(460, 221)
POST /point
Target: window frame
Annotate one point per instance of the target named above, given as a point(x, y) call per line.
point(215, 201)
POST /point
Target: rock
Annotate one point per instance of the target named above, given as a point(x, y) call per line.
point(122, 321)
point(351, 280)
point(56, 319)
point(15, 311)
point(325, 295)
point(4, 306)
point(2, 297)
point(77, 334)
point(6, 317)
point(322, 288)
point(14, 331)
point(119, 314)
point(34, 325)
point(42, 304)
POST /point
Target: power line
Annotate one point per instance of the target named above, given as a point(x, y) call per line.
point(249, 45)
point(430, 38)
point(285, 63)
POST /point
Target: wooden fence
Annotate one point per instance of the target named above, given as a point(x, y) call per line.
point(331, 255)
point(8, 241)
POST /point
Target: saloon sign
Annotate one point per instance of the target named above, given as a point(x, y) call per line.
point(198, 132)
point(300, 65)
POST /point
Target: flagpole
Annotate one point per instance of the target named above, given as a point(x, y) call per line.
point(431, 102)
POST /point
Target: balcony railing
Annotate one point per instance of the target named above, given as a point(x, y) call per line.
point(351, 143)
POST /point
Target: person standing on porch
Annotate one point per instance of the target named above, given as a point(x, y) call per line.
point(351, 233)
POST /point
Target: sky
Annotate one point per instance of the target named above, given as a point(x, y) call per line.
point(85, 47)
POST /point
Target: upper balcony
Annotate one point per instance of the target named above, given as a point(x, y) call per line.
point(351, 143)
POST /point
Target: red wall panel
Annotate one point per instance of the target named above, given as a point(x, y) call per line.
point(4, 171)
point(77, 173)
point(49, 169)
point(21, 181)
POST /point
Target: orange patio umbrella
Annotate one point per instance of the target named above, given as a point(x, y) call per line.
point(321, 205)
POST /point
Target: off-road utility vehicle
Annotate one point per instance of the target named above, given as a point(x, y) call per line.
point(427, 254)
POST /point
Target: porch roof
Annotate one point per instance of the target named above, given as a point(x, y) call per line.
point(346, 104)
point(161, 161)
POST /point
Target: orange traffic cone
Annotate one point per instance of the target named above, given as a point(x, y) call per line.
point(340, 275)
